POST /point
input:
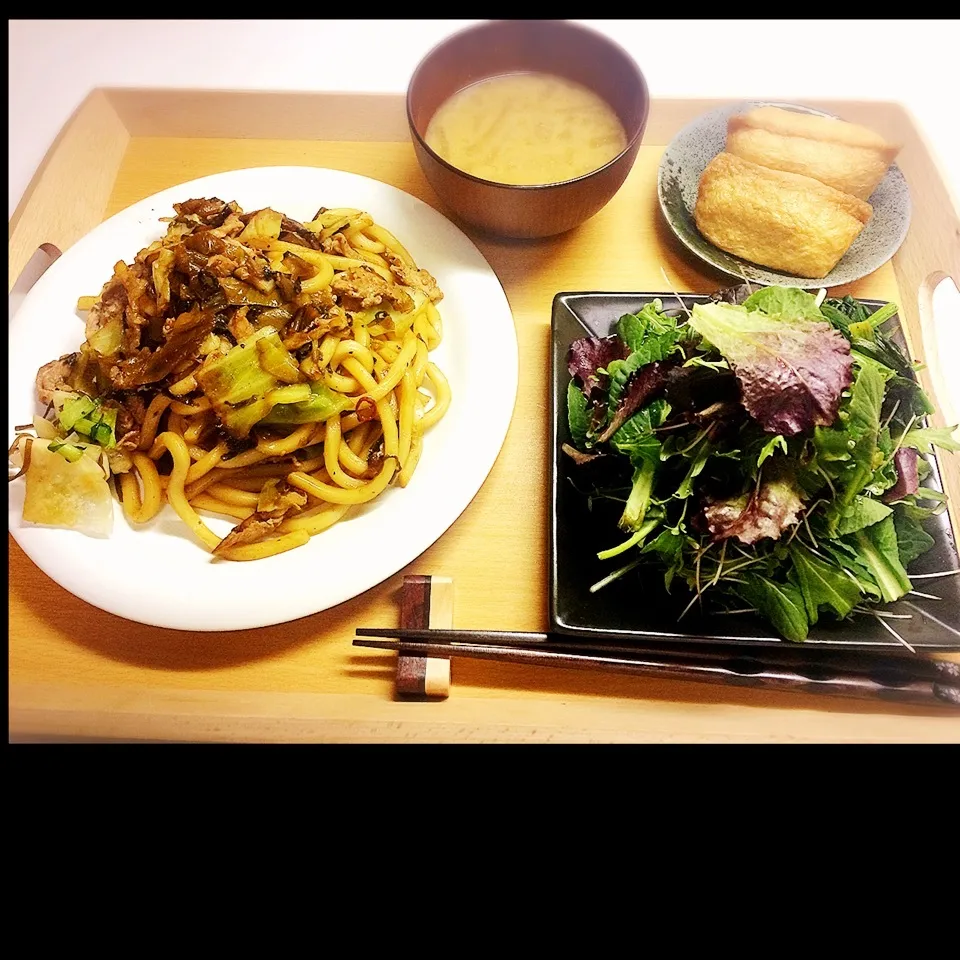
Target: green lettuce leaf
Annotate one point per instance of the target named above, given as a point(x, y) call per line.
point(861, 423)
point(791, 372)
point(698, 455)
point(822, 584)
point(578, 417)
point(862, 512)
point(770, 447)
point(789, 303)
point(926, 438)
point(636, 439)
point(879, 551)
point(650, 333)
point(781, 603)
point(912, 540)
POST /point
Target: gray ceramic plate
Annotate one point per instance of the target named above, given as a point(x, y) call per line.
point(700, 141)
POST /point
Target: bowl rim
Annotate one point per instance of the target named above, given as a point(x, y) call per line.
point(632, 143)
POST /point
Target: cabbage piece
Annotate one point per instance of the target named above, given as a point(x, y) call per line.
point(61, 493)
point(322, 404)
point(108, 340)
point(237, 384)
point(238, 293)
point(160, 271)
point(264, 224)
point(276, 359)
point(254, 382)
point(791, 370)
point(44, 429)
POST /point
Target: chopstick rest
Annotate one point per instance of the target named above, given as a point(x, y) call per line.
point(425, 602)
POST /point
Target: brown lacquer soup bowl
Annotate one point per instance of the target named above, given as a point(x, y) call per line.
point(555, 47)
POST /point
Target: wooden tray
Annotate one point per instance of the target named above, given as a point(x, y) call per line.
point(78, 673)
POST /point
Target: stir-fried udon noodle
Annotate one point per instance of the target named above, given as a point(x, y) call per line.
point(245, 365)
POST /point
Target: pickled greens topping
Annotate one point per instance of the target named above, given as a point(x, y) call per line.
point(87, 417)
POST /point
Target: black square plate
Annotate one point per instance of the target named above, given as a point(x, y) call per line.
point(637, 608)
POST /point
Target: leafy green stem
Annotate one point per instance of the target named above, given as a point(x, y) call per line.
point(890, 576)
point(638, 537)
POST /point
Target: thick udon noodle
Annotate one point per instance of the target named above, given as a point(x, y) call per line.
point(285, 483)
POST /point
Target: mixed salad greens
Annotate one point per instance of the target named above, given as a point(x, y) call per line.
point(774, 446)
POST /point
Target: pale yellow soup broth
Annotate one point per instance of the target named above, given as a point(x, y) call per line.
point(526, 128)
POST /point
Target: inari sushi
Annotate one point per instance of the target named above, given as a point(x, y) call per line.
point(849, 157)
point(785, 221)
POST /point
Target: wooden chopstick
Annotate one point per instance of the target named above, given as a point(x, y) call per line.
point(815, 660)
point(889, 678)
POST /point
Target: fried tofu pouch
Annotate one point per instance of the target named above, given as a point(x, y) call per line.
point(849, 157)
point(784, 221)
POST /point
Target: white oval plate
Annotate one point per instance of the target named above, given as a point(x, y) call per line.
point(159, 574)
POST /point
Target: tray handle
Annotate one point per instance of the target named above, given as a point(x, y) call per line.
point(939, 308)
point(928, 258)
point(935, 306)
point(38, 264)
